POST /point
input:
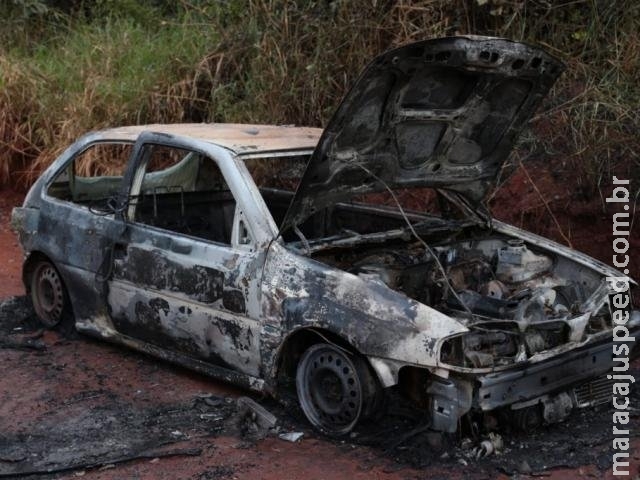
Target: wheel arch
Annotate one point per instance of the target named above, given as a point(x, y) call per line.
point(29, 264)
point(66, 321)
point(298, 341)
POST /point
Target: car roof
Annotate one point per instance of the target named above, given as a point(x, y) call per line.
point(242, 139)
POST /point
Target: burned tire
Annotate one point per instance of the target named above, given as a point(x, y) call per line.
point(528, 419)
point(49, 295)
point(335, 389)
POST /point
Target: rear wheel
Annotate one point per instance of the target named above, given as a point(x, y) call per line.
point(48, 294)
point(335, 389)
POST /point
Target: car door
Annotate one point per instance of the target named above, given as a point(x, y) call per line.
point(186, 271)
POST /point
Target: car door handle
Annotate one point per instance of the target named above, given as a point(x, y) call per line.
point(179, 247)
point(119, 250)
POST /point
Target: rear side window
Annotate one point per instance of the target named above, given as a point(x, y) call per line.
point(93, 175)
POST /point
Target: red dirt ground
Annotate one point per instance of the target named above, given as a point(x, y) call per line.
point(10, 253)
point(582, 220)
point(74, 366)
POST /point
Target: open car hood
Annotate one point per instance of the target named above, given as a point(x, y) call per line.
point(441, 113)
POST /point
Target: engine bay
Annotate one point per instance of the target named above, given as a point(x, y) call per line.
point(517, 300)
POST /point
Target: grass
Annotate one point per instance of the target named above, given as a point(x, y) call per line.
point(94, 75)
point(279, 61)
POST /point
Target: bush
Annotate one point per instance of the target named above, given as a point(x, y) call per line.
point(87, 65)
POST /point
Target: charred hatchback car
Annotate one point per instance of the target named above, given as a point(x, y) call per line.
point(165, 238)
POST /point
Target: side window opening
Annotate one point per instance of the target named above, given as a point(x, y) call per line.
point(184, 192)
point(93, 175)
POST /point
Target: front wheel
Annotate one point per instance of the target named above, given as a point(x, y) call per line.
point(335, 388)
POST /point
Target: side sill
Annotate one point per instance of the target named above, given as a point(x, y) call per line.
point(219, 373)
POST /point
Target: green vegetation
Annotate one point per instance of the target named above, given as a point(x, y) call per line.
point(68, 66)
point(77, 73)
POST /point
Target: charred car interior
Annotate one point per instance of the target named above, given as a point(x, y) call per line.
point(333, 265)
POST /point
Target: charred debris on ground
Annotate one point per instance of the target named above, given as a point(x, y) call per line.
point(115, 430)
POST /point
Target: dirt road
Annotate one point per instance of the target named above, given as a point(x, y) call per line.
point(97, 411)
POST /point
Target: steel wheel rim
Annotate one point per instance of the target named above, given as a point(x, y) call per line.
point(329, 390)
point(48, 295)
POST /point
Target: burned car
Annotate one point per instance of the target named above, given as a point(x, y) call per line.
point(283, 260)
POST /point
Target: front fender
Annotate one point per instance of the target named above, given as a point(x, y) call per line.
point(376, 320)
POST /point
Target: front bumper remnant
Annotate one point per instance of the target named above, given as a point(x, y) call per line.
point(451, 398)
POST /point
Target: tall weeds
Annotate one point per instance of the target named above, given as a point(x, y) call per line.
point(281, 61)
